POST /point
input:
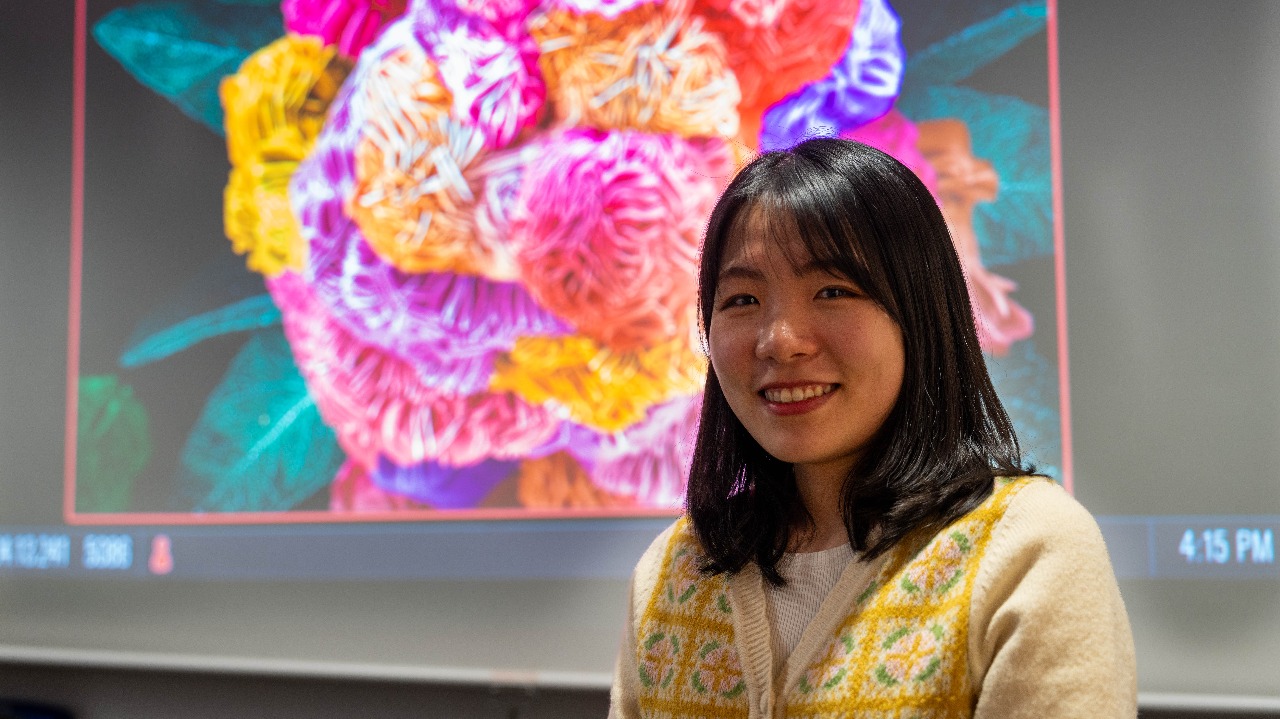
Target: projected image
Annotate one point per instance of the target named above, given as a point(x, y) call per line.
point(468, 237)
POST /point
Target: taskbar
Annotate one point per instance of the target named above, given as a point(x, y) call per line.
point(1141, 547)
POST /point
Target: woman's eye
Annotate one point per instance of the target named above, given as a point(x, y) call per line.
point(829, 293)
point(738, 301)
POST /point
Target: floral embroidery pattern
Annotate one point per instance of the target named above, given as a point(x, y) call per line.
point(829, 670)
point(658, 664)
point(684, 575)
point(939, 566)
point(718, 671)
point(911, 655)
point(688, 663)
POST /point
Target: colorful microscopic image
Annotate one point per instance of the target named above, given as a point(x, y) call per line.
point(465, 237)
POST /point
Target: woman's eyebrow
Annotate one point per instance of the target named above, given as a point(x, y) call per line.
point(814, 267)
point(749, 272)
point(740, 272)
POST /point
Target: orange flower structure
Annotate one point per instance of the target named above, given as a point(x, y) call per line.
point(413, 196)
point(274, 108)
point(964, 181)
point(650, 68)
point(558, 481)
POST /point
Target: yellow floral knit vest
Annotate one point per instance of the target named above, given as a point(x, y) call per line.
point(902, 651)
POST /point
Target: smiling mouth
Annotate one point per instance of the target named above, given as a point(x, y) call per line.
point(788, 395)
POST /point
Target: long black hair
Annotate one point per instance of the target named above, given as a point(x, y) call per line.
point(864, 214)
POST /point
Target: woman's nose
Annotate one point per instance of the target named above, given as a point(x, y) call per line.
point(785, 335)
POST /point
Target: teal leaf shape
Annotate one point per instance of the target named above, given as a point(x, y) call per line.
point(182, 50)
point(1028, 387)
point(113, 444)
point(260, 444)
point(956, 58)
point(1013, 136)
point(247, 314)
point(213, 300)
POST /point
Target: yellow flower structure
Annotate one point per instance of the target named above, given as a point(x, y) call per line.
point(274, 109)
point(598, 387)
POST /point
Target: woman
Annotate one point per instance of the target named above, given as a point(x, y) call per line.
point(860, 538)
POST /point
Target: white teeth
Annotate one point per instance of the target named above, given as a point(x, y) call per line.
point(797, 394)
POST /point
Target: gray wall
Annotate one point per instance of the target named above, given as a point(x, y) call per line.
point(118, 694)
point(103, 694)
point(115, 694)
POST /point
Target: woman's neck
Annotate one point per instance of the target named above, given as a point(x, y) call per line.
point(821, 491)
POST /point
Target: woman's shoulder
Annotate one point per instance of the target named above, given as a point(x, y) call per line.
point(1041, 509)
point(1046, 540)
point(657, 548)
point(1049, 635)
point(649, 568)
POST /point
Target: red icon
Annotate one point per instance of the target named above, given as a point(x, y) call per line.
point(161, 561)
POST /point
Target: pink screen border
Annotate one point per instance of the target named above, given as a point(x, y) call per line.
point(72, 517)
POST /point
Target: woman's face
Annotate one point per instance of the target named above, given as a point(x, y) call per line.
point(810, 364)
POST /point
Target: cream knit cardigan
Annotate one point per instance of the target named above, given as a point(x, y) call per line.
point(1048, 632)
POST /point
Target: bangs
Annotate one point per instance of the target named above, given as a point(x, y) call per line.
point(808, 228)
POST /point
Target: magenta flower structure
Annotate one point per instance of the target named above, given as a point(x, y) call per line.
point(895, 134)
point(379, 405)
point(648, 461)
point(449, 326)
point(349, 24)
point(507, 16)
point(493, 77)
point(606, 230)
